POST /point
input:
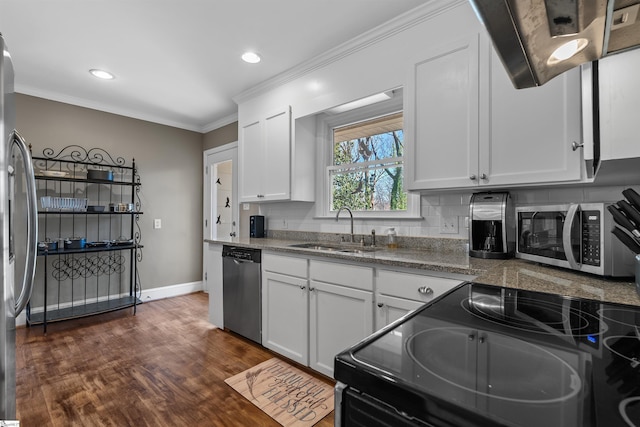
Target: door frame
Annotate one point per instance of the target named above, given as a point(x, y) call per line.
point(227, 152)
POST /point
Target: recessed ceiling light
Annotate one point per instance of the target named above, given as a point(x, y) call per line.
point(251, 57)
point(101, 74)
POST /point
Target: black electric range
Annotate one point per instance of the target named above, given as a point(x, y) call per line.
point(489, 356)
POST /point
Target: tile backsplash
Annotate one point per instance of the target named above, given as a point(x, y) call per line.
point(435, 209)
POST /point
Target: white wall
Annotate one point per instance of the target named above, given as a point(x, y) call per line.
point(169, 161)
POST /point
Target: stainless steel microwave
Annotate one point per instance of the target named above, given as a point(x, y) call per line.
point(576, 236)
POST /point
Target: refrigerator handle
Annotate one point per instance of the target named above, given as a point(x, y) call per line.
point(32, 224)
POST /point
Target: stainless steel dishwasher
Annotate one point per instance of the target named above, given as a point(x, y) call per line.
point(241, 291)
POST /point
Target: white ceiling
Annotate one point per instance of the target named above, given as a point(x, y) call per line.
point(177, 62)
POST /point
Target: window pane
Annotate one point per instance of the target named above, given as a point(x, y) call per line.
point(374, 147)
point(366, 174)
point(379, 189)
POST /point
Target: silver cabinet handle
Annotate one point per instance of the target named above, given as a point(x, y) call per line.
point(425, 290)
point(483, 176)
point(32, 225)
point(575, 145)
point(303, 287)
point(472, 177)
point(380, 305)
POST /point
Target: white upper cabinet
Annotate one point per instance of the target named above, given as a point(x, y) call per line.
point(265, 157)
point(466, 126)
point(441, 116)
point(273, 164)
point(619, 98)
point(531, 132)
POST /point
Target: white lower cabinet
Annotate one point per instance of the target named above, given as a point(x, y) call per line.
point(341, 310)
point(285, 306)
point(398, 293)
point(285, 319)
point(339, 318)
point(313, 309)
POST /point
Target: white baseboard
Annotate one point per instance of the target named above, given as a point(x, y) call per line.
point(171, 291)
point(147, 295)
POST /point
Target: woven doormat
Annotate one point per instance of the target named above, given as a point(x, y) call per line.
point(288, 395)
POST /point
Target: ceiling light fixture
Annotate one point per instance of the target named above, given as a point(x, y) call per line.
point(101, 74)
point(567, 50)
point(251, 57)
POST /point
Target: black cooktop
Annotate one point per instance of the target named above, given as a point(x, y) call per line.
point(492, 356)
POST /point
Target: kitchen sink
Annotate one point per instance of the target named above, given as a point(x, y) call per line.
point(329, 247)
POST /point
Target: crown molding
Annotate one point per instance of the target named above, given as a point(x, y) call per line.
point(81, 102)
point(401, 23)
point(220, 123)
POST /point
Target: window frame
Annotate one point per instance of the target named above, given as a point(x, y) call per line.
point(326, 123)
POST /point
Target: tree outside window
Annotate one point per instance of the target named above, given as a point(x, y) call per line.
point(366, 174)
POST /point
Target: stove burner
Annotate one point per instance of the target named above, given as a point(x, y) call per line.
point(535, 315)
point(623, 316)
point(514, 370)
point(623, 407)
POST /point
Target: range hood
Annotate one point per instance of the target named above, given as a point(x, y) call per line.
point(526, 33)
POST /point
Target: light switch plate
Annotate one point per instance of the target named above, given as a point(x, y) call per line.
point(157, 223)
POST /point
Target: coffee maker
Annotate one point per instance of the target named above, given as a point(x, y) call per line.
point(491, 226)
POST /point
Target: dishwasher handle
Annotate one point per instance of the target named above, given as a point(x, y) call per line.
point(241, 261)
point(241, 255)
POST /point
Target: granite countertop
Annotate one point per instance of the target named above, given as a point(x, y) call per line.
point(444, 257)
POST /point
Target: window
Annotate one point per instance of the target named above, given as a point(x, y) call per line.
point(366, 169)
point(362, 158)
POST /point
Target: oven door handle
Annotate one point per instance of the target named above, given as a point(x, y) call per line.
point(572, 215)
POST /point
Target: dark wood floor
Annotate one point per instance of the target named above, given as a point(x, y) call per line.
point(165, 366)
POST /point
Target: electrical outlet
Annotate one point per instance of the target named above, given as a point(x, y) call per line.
point(246, 206)
point(157, 223)
point(449, 225)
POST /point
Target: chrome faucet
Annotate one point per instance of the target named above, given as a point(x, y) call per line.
point(351, 215)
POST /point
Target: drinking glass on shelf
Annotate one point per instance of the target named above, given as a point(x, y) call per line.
point(45, 201)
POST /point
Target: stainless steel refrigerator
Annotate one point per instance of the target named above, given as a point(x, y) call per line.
point(18, 225)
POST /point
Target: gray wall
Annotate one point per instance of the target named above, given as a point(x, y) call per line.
point(169, 162)
point(220, 136)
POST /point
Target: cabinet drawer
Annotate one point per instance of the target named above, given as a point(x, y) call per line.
point(353, 276)
point(290, 266)
point(417, 287)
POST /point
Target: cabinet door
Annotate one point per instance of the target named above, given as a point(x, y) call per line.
point(619, 98)
point(251, 162)
point(441, 116)
point(285, 316)
point(389, 309)
point(277, 156)
point(339, 318)
point(531, 131)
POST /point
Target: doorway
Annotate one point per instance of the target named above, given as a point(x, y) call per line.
point(220, 193)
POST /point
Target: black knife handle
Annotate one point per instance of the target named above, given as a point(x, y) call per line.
point(622, 220)
point(633, 197)
point(630, 212)
point(626, 240)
